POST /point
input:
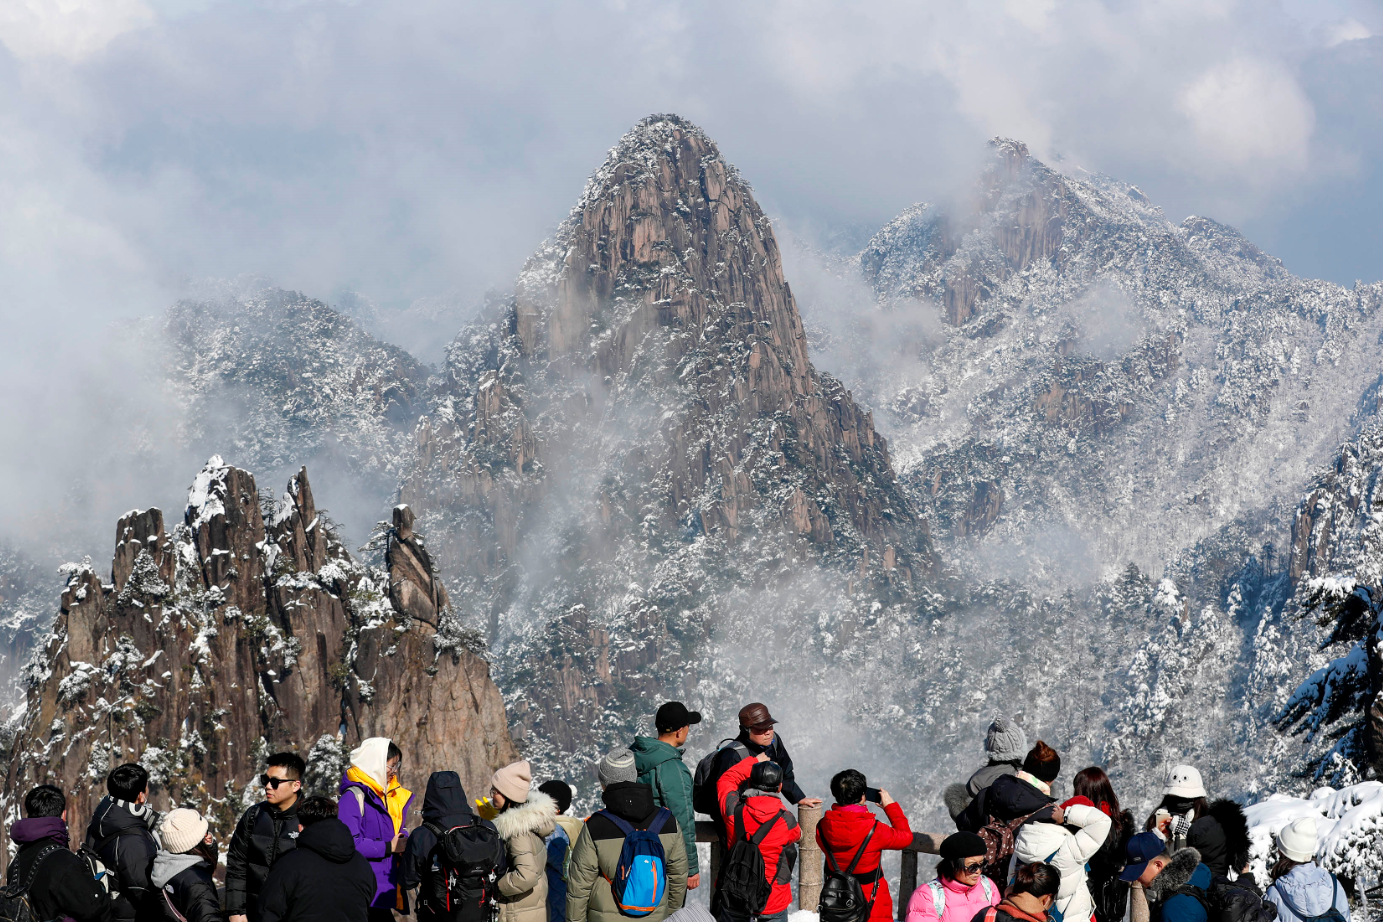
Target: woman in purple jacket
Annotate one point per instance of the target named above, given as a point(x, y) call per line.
point(374, 807)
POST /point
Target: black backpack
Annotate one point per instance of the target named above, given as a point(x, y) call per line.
point(1235, 901)
point(466, 864)
point(706, 776)
point(842, 897)
point(744, 886)
point(14, 899)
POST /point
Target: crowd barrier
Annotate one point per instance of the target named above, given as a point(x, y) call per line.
point(811, 863)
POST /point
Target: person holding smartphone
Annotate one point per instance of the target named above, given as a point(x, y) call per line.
point(847, 826)
point(266, 832)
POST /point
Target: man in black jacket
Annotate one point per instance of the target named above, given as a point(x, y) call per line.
point(324, 879)
point(119, 832)
point(757, 735)
point(265, 832)
point(59, 883)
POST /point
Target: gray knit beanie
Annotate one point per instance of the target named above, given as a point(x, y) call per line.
point(616, 767)
point(1006, 741)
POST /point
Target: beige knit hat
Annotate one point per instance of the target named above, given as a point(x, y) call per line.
point(513, 781)
point(182, 830)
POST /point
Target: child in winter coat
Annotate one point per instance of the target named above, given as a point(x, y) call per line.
point(1055, 844)
point(182, 869)
point(374, 807)
point(960, 891)
point(525, 818)
point(1301, 888)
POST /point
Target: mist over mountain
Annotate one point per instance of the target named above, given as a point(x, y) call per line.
point(1040, 451)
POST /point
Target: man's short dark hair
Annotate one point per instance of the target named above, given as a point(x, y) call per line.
point(128, 781)
point(292, 764)
point(44, 800)
point(848, 787)
point(394, 753)
point(1037, 879)
point(315, 809)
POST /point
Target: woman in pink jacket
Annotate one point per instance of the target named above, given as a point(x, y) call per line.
point(960, 890)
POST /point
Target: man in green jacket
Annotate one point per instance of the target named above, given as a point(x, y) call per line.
point(660, 766)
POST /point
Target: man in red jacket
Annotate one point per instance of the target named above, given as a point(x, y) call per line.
point(762, 780)
point(844, 828)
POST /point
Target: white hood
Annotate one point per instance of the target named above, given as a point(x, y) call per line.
point(372, 758)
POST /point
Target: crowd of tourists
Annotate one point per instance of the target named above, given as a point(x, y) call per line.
point(516, 854)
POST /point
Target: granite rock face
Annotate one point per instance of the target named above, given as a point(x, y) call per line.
point(641, 426)
point(245, 629)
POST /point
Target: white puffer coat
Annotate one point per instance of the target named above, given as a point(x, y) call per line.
point(1048, 843)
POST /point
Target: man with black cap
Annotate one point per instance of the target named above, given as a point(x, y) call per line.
point(758, 736)
point(660, 766)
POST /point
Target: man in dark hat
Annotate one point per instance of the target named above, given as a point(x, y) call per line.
point(757, 735)
point(660, 766)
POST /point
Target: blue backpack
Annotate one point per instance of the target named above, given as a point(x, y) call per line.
point(640, 881)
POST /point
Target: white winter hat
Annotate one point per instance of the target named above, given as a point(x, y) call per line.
point(1297, 840)
point(183, 829)
point(1185, 781)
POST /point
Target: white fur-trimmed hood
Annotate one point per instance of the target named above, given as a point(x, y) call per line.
point(537, 814)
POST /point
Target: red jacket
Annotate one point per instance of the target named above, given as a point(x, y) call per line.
point(778, 847)
point(841, 831)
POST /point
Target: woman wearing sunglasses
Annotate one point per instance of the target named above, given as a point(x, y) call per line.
point(960, 890)
point(374, 807)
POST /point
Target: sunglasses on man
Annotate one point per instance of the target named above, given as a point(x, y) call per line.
point(274, 783)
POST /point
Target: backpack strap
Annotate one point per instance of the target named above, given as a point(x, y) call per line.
point(991, 914)
point(168, 902)
point(659, 820)
point(359, 793)
point(624, 828)
point(863, 845)
point(988, 889)
point(762, 832)
point(52, 848)
point(938, 898)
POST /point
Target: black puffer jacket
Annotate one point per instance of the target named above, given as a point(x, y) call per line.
point(1008, 798)
point(186, 885)
point(263, 835)
point(1222, 838)
point(445, 805)
point(1109, 893)
point(119, 833)
point(323, 880)
point(60, 882)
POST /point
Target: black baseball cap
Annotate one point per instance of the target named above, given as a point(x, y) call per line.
point(674, 716)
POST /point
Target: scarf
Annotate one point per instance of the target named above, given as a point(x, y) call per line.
point(394, 800)
point(1036, 782)
point(1017, 913)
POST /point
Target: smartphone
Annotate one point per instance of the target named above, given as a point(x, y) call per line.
point(872, 795)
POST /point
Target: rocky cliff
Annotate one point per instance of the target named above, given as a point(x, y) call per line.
point(641, 428)
point(245, 629)
point(1100, 373)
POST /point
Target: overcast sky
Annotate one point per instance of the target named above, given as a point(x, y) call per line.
point(421, 150)
point(415, 149)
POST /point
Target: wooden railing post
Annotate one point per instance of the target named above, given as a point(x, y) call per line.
point(907, 881)
point(706, 832)
point(809, 859)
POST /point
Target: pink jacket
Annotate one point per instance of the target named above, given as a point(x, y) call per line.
point(961, 902)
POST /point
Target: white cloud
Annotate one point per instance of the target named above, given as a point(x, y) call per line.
point(1250, 113)
point(71, 29)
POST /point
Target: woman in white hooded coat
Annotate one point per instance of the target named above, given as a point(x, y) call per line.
point(1054, 844)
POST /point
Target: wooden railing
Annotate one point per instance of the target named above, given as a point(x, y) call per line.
point(811, 863)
